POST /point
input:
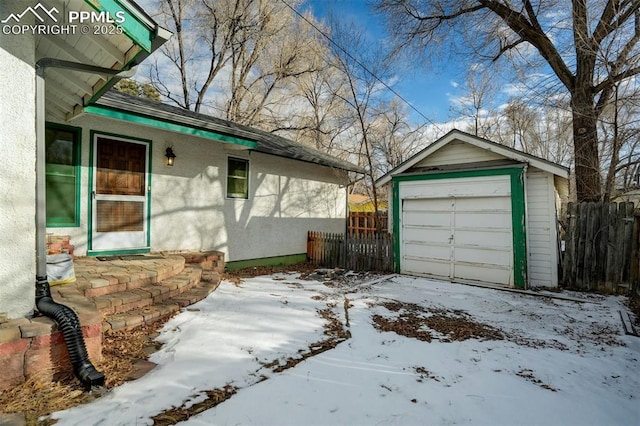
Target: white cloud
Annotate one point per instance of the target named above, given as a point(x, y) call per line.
point(532, 84)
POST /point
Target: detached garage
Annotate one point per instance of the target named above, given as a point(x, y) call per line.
point(470, 210)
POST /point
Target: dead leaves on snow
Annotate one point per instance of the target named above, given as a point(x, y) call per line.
point(528, 375)
point(427, 324)
point(182, 413)
point(423, 373)
point(237, 277)
point(335, 333)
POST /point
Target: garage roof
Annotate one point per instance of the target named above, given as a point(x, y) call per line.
point(505, 151)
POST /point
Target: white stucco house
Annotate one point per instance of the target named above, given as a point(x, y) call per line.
point(470, 210)
point(104, 156)
point(238, 190)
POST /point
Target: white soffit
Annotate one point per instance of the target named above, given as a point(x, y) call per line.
point(95, 41)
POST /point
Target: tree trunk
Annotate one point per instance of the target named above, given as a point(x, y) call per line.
point(585, 146)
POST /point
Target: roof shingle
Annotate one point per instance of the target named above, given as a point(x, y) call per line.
point(267, 143)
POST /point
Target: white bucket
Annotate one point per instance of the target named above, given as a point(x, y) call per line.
point(60, 269)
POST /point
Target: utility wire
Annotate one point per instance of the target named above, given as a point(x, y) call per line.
point(392, 90)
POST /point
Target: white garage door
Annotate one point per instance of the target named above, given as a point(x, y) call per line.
point(458, 229)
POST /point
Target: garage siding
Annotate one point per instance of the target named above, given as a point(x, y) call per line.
point(541, 229)
point(537, 187)
point(458, 152)
point(457, 187)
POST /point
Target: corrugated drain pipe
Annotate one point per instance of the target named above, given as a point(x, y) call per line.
point(66, 318)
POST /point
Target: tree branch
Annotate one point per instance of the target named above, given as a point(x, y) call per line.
point(612, 80)
point(535, 36)
point(604, 26)
point(506, 47)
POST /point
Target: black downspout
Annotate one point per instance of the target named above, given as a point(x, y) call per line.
point(64, 316)
point(72, 331)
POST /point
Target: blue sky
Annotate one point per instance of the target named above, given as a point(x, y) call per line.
point(428, 89)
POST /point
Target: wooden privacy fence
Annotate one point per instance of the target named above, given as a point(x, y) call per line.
point(363, 252)
point(600, 247)
point(367, 222)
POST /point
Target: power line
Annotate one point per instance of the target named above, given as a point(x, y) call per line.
point(392, 90)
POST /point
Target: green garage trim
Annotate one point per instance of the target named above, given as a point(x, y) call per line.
point(519, 226)
point(518, 212)
point(166, 125)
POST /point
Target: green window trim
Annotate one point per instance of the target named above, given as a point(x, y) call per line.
point(237, 178)
point(63, 178)
point(518, 213)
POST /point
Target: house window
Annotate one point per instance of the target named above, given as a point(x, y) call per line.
point(238, 178)
point(62, 175)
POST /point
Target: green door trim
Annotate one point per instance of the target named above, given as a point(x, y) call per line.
point(92, 165)
point(518, 212)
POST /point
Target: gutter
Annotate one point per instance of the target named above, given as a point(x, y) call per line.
point(64, 316)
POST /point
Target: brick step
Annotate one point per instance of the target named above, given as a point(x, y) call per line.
point(98, 278)
point(31, 346)
point(213, 260)
point(158, 311)
point(136, 298)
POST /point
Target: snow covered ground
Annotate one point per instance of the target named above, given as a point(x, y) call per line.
point(540, 361)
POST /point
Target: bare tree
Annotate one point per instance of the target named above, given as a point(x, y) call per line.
point(519, 119)
point(320, 118)
point(620, 132)
point(477, 103)
point(270, 52)
point(394, 140)
point(552, 138)
point(245, 52)
point(590, 48)
point(543, 131)
point(197, 52)
point(628, 169)
point(363, 67)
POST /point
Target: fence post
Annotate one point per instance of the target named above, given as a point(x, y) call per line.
point(627, 243)
point(358, 252)
point(601, 241)
point(310, 245)
point(635, 268)
point(569, 246)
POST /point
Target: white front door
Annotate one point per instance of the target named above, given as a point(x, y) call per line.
point(119, 194)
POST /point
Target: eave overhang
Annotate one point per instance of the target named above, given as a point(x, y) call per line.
point(118, 35)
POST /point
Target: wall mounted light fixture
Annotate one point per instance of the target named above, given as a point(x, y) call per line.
point(171, 156)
